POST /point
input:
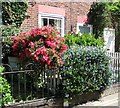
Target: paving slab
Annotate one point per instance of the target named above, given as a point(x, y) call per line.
point(112, 100)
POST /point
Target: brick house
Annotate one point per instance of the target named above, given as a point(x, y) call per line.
point(65, 16)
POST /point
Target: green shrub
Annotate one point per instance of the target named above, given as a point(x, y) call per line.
point(5, 92)
point(7, 32)
point(85, 69)
point(84, 39)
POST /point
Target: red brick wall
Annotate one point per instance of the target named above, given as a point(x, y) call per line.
point(32, 20)
point(72, 10)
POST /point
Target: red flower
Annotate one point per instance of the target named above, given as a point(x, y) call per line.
point(45, 58)
point(41, 45)
point(64, 47)
point(48, 62)
point(31, 44)
point(13, 37)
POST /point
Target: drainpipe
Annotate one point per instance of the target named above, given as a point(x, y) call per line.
point(0, 33)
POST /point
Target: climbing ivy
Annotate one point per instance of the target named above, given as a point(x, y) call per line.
point(13, 12)
point(98, 17)
point(114, 9)
point(105, 14)
point(115, 12)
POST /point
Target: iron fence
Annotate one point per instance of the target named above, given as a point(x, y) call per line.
point(32, 82)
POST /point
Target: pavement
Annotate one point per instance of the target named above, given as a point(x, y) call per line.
point(113, 101)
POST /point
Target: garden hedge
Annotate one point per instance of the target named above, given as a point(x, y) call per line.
point(85, 69)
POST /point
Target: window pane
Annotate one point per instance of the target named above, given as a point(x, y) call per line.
point(52, 22)
point(84, 29)
point(44, 22)
point(58, 23)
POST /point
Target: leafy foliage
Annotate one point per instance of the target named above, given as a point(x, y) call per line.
point(105, 14)
point(114, 9)
point(85, 69)
point(7, 32)
point(83, 40)
point(13, 12)
point(99, 17)
point(4, 90)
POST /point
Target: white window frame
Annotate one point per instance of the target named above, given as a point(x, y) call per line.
point(84, 25)
point(52, 16)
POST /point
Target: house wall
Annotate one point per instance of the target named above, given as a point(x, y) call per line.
point(31, 21)
point(72, 11)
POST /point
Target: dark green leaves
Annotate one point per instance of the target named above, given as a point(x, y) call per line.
point(85, 69)
point(13, 12)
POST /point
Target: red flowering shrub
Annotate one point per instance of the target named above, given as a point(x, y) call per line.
point(42, 45)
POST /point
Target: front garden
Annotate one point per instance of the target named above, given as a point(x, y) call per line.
point(73, 69)
point(66, 68)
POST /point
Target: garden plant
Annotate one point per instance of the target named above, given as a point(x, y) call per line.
point(85, 39)
point(5, 90)
point(42, 45)
point(85, 70)
point(44, 48)
point(7, 32)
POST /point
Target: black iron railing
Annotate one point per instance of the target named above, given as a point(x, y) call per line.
point(34, 83)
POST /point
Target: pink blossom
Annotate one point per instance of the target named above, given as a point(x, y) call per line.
point(57, 42)
point(31, 44)
point(36, 57)
point(51, 44)
point(13, 37)
point(48, 61)
point(45, 58)
point(64, 47)
point(40, 40)
point(41, 45)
